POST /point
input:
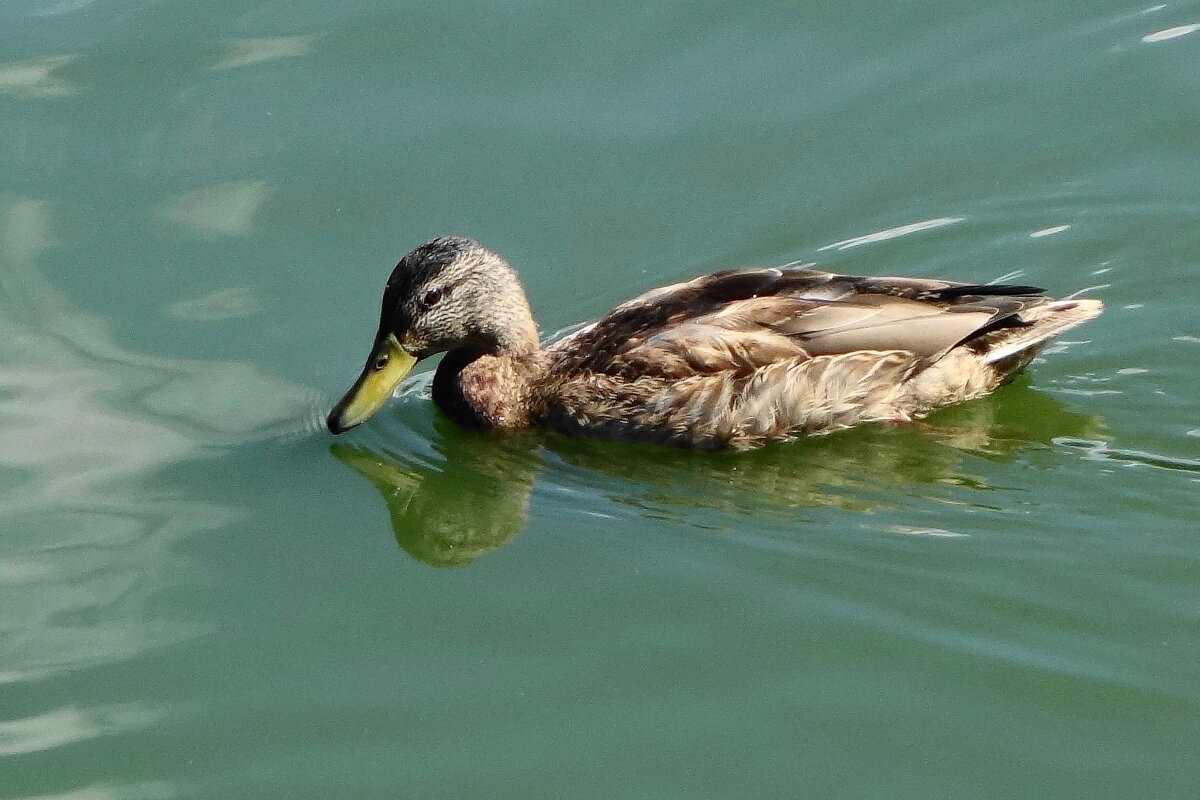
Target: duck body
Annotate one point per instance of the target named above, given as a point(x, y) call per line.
point(735, 359)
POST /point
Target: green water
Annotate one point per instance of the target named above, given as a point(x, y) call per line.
point(202, 595)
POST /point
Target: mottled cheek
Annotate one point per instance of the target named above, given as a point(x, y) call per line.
point(413, 343)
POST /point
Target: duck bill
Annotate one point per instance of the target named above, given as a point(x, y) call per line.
point(373, 388)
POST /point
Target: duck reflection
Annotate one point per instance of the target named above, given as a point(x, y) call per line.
point(447, 515)
point(476, 499)
point(858, 470)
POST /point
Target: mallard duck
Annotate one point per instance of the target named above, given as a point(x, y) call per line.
point(735, 359)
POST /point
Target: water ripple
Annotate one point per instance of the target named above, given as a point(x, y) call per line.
point(1098, 450)
point(86, 429)
point(892, 233)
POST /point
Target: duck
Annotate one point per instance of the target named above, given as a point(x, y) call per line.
point(735, 359)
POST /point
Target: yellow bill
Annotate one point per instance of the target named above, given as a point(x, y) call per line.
point(386, 367)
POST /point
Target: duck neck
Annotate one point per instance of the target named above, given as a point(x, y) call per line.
point(482, 389)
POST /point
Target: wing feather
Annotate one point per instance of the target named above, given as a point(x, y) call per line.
point(743, 320)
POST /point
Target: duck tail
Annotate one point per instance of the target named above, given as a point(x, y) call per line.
point(1009, 349)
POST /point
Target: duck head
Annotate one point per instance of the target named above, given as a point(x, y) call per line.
point(451, 293)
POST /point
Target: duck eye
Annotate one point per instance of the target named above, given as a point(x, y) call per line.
point(381, 362)
point(431, 297)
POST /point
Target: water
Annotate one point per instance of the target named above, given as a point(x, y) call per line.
point(202, 595)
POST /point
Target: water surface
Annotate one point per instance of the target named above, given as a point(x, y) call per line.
point(203, 595)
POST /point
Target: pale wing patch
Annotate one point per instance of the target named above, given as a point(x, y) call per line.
point(698, 349)
point(885, 323)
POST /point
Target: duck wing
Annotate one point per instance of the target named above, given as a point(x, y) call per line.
point(746, 319)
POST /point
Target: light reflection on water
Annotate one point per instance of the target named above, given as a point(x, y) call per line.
point(91, 537)
point(37, 78)
point(257, 50)
point(226, 209)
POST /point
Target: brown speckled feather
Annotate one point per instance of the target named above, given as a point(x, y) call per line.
point(744, 357)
